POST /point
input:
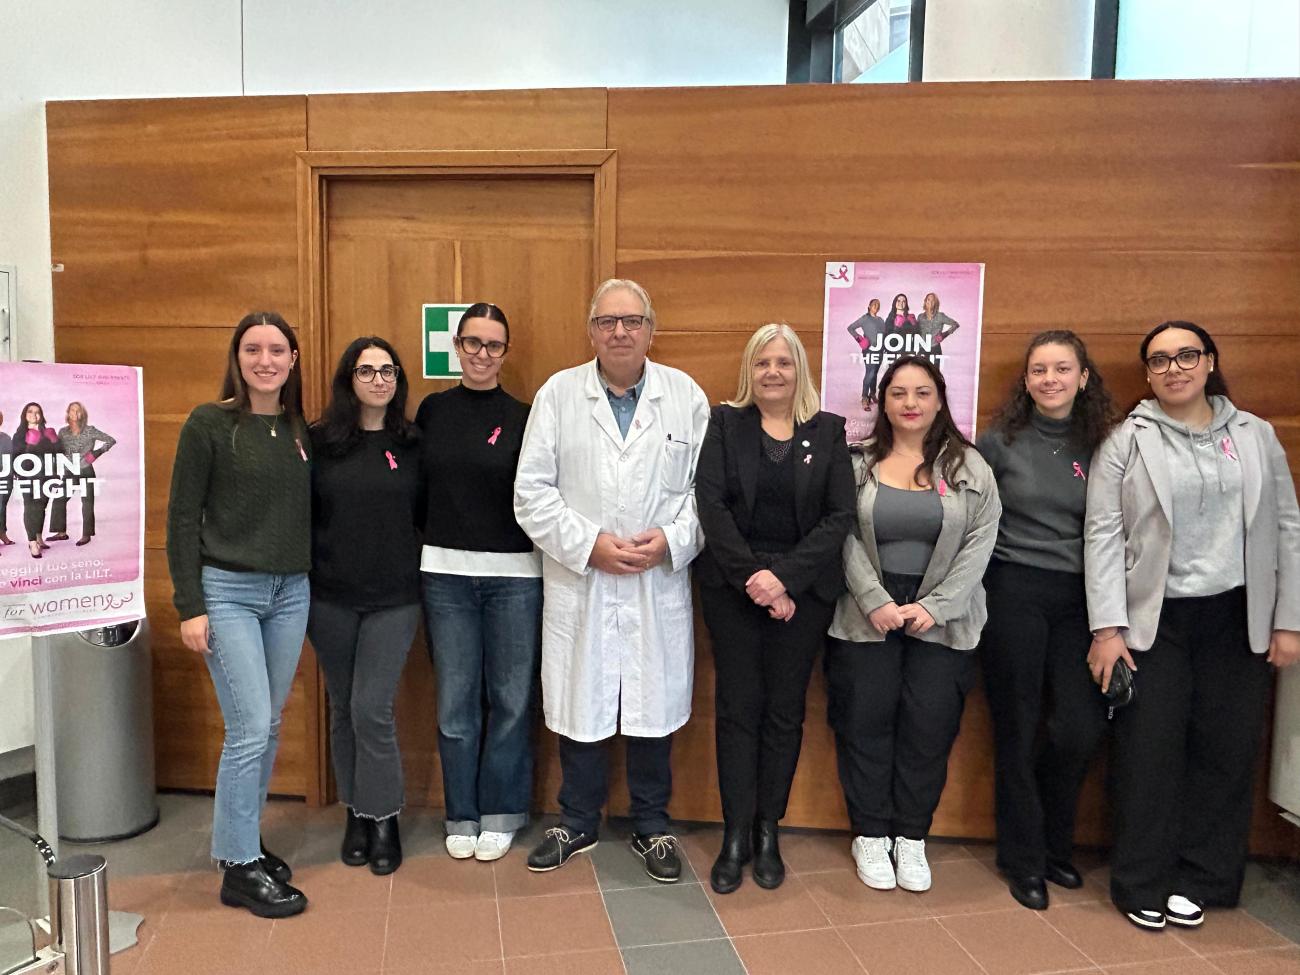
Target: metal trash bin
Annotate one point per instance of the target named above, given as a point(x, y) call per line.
point(103, 732)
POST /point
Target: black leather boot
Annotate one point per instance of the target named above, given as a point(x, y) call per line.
point(385, 846)
point(769, 870)
point(275, 866)
point(727, 872)
point(356, 840)
point(249, 885)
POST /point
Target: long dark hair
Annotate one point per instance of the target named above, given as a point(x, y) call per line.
point(1215, 384)
point(891, 320)
point(942, 437)
point(484, 309)
point(338, 430)
point(1094, 411)
point(20, 431)
point(234, 394)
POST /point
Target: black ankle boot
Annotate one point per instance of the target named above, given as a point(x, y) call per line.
point(769, 870)
point(356, 840)
point(385, 846)
point(275, 866)
point(249, 885)
point(727, 872)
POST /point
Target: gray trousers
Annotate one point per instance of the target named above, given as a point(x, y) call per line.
point(362, 654)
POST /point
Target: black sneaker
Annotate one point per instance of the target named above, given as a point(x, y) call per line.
point(557, 846)
point(1151, 920)
point(659, 853)
point(1184, 911)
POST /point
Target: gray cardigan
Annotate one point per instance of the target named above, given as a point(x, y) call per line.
point(1128, 534)
point(952, 589)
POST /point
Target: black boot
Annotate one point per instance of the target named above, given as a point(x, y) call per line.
point(727, 870)
point(275, 866)
point(249, 885)
point(385, 846)
point(769, 870)
point(356, 840)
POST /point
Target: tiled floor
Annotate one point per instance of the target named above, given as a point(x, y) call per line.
point(601, 914)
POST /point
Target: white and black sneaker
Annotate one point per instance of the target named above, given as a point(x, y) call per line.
point(1184, 911)
point(1151, 920)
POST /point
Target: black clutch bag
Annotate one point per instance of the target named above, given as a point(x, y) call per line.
point(1121, 691)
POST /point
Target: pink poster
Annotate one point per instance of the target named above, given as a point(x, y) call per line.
point(875, 312)
point(71, 497)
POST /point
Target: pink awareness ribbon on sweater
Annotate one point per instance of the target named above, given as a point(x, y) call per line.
point(493, 439)
point(392, 461)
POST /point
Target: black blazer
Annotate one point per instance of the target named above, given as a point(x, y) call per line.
point(726, 481)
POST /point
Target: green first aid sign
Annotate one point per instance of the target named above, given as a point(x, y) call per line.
point(440, 323)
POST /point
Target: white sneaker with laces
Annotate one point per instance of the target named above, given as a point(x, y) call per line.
point(912, 867)
point(1183, 911)
point(493, 846)
point(461, 847)
point(871, 854)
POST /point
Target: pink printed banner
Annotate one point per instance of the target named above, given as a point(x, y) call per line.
point(875, 312)
point(71, 464)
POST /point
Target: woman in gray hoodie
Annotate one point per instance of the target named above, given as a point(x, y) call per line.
point(1192, 570)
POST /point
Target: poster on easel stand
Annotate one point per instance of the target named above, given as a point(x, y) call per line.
point(71, 497)
point(875, 312)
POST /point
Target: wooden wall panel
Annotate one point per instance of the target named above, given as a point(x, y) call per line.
point(562, 118)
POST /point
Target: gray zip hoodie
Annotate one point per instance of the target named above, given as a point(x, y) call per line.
point(1208, 555)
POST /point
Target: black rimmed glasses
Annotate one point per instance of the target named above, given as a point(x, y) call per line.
point(1187, 360)
point(607, 323)
point(471, 345)
point(388, 373)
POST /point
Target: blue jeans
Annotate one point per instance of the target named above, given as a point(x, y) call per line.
point(256, 623)
point(485, 642)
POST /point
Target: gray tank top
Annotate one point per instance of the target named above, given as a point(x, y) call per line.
point(907, 525)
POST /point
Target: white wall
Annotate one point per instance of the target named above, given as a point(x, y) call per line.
point(1208, 39)
point(1007, 40)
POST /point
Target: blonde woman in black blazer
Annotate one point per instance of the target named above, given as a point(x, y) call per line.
point(774, 488)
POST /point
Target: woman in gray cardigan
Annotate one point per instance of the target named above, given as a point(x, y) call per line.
point(899, 661)
point(1192, 568)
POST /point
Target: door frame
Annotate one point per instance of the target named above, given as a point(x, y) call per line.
point(314, 170)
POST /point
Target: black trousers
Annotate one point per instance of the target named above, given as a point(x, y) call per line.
point(762, 669)
point(6, 490)
point(34, 517)
point(585, 786)
point(895, 708)
point(1035, 658)
point(1184, 758)
point(59, 509)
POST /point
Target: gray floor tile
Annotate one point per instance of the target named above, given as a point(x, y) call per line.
point(1274, 904)
point(618, 868)
point(661, 915)
point(691, 958)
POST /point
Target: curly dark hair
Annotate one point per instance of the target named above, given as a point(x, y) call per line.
point(1093, 413)
point(941, 436)
point(338, 430)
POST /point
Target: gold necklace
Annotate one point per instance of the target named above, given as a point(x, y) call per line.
point(270, 426)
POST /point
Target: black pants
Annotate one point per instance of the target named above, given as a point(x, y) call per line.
point(34, 517)
point(1184, 758)
point(585, 786)
point(895, 708)
point(6, 490)
point(1035, 656)
point(762, 668)
point(59, 510)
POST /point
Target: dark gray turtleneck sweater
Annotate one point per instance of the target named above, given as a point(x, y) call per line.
point(1042, 480)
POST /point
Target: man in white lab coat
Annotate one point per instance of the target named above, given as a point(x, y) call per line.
point(605, 490)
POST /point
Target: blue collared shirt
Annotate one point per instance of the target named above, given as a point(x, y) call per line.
point(624, 406)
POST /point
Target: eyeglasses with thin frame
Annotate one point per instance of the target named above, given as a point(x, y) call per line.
point(470, 345)
point(1187, 359)
point(607, 323)
point(387, 372)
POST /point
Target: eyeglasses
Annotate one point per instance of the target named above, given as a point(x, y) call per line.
point(1186, 359)
point(471, 345)
point(607, 323)
point(388, 373)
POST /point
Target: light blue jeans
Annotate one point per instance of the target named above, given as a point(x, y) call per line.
point(256, 623)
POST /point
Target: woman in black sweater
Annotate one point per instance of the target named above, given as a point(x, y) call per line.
point(367, 506)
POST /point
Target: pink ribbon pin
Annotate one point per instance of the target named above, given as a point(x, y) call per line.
point(1078, 471)
point(493, 439)
point(943, 487)
point(807, 458)
point(1226, 444)
point(392, 461)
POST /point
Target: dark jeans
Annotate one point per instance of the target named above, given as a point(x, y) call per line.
point(585, 766)
point(762, 669)
point(485, 643)
point(362, 653)
point(1035, 656)
point(59, 510)
point(1184, 758)
point(895, 708)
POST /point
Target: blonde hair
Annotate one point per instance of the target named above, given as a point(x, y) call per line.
point(807, 401)
point(67, 415)
point(626, 284)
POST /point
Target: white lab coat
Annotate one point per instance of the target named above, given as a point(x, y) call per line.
point(617, 650)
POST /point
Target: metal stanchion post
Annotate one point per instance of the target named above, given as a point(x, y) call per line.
point(79, 913)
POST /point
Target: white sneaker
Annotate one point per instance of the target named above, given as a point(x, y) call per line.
point(871, 854)
point(493, 846)
point(913, 869)
point(1184, 911)
point(461, 847)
